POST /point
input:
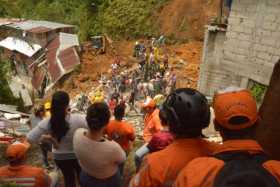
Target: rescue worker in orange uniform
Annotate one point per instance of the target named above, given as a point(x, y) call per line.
point(187, 113)
point(120, 131)
point(18, 172)
point(240, 160)
point(152, 123)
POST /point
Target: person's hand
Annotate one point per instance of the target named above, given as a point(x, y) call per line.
point(49, 138)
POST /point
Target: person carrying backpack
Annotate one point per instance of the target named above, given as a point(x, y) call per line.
point(187, 113)
point(240, 161)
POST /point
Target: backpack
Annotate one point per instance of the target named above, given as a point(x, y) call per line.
point(243, 169)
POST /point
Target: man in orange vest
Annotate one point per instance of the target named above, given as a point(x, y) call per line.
point(152, 123)
point(19, 173)
point(186, 112)
point(119, 130)
point(240, 161)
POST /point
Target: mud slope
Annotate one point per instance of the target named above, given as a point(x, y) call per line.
point(185, 19)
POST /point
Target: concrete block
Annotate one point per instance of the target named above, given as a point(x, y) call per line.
point(276, 34)
point(272, 26)
point(273, 3)
point(261, 32)
point(264, 56)
point(244, 37)
point(268, 41)
point(229, 55)
point(270, 17)
point(244, 44)
point(260, 48)
point(232, 35)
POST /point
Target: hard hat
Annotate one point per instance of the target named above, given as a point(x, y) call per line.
point(235, 102)
point(47, 105)
point(186, 109)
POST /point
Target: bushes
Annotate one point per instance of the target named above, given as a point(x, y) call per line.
point(118, 18)
point(126, 18)
point(6, 96)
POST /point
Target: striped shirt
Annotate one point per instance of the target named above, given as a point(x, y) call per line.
point(24, 175)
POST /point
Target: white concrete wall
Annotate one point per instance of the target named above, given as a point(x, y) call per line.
point(248, 50)
point(212, 75)
point(252, 45)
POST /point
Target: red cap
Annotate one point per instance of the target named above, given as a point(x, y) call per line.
point(234, 103)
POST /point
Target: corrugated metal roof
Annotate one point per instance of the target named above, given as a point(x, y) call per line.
point(69, 59)
point(6, 21)
point(31, 24)
point(67, 40)
point(53, 68)
point(38, 78)
point(39, 30)
point(62, 56)
point(21, 46)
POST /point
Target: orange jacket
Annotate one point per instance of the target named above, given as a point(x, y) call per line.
point(25, 175)
point(161, 168)
point(122, 132)
point(151, 125)
point(203, 171)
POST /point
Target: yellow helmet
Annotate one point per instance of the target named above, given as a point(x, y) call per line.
point(47, 105)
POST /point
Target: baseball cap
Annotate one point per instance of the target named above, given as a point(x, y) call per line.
point(16, 151)
point(235, 102)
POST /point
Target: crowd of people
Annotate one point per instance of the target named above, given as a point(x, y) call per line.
point(91, 149)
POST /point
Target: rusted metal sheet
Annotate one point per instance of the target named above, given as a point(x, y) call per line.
point(39, 30)
point(38, 78)
point(69, 59)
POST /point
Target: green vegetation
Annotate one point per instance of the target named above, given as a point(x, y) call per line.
point(258, 90)
point(118, 18)
point(6, 96)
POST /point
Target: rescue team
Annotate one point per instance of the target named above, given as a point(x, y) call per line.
point(91, 150)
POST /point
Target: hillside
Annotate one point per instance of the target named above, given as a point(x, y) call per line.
point(185, 19)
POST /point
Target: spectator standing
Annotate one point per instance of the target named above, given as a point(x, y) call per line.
point(99, 158)
point(59, 129)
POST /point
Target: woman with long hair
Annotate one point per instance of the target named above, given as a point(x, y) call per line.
point(59, 128)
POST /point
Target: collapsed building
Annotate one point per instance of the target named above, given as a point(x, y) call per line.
point(42, 52)
point(244, 52)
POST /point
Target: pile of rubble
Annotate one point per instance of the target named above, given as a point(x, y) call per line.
point(13, 124)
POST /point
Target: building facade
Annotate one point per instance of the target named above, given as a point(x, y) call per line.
point(244, 53)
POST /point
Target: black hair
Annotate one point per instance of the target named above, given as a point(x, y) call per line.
point(59, 125)
point(16, 162)
point(119, 112)
point(247, 133)
point(163, 117)
point(98, 116)
point(38, 110)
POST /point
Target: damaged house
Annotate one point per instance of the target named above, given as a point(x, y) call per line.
point(42, 52)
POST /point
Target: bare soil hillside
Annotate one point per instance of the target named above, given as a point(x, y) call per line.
point(185, 19)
